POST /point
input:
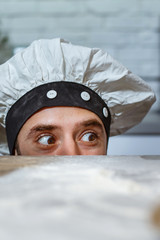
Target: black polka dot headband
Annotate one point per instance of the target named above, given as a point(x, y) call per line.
point(61, 93)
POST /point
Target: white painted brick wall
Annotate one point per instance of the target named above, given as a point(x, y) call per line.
point(128, 29)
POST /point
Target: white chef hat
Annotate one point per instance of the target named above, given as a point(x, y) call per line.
point(57, 73)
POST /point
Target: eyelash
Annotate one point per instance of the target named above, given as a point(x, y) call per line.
point(80, 138)
point(91, 132)
point(43, 135)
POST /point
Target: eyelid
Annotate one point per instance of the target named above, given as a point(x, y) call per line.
point(87, 132)
point(45, 135)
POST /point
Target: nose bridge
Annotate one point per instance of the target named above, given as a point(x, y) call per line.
point(69, 146)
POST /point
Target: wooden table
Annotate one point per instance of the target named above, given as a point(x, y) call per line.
point(80, 198)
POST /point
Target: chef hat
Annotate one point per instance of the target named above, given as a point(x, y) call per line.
point(56, 73)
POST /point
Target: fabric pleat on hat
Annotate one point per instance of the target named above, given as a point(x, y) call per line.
point(127, 96)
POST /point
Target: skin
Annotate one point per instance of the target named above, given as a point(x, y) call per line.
point(62, 131)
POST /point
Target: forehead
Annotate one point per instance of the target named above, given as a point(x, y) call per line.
point(61, 116)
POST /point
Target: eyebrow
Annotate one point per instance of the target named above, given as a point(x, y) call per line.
point(92, 122)
point(45, 127)
point(40, 128)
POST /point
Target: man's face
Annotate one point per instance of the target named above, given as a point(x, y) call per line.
point(62, 131)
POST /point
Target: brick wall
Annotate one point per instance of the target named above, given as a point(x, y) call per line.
point(127, 29)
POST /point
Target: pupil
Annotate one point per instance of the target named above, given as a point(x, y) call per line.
point(91, 137)
point(50, 141)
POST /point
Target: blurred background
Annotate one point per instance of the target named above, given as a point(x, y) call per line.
point(128, 29)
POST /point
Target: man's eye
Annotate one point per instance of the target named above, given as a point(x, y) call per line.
point(46, 140)
point(89, 137)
